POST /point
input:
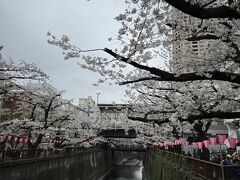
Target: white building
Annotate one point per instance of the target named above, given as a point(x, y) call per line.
point(89, 106)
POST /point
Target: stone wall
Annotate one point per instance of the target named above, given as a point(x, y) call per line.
point(84, 165)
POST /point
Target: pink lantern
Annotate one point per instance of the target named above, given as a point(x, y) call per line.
point(9, 138)
point(185, 143)
point(206, 143)
point(165, 144)
point(213, 140)
point(195, 145)
point(171, 143)
point(221, 138)
point(200, 145)
point(160, 145)
point(15, 139)
point(26, 140)
point(177, 142)
point(92, 142)
point(21, 140)
point(155, 144)
point(232, 142)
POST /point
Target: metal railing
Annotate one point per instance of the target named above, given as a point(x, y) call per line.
point(172, 165)
point(10, 155)
point(70, 163)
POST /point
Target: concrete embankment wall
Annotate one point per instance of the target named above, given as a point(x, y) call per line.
point(84, 165)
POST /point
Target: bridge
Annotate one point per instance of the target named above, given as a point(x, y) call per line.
point(129, 149)
point(118, 133)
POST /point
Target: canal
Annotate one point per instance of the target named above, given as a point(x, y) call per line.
point(127, 166)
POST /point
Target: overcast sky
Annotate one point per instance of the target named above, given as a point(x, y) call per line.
point(24, 24)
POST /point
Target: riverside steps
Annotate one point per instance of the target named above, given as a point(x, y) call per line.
point(106, 163)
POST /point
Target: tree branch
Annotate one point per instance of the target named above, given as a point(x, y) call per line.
point(139, 80)
point(203, 37)
point(204, 13)
point(207, 4)
point(192, 118)
point(166, 76)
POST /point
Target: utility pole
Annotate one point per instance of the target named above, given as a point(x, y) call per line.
point(1, 47)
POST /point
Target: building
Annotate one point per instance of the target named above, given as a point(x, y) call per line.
point(186, 55)
point(189, 56)
point(114, 111)
point(116, 115)
point(11, 108)
point(69, 106)
point(89, 106)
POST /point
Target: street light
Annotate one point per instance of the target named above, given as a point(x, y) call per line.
point(98, 93)
point(97, 110)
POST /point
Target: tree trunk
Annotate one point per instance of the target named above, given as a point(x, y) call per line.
point(198, 127)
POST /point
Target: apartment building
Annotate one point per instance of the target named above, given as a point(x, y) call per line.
point(187, 56)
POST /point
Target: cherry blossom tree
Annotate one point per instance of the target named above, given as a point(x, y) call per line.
point(48, 116)
point(56, 115)
point(144, 63)
point(41, 112)
point(12, 72)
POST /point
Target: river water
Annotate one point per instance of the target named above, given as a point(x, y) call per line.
point(127, 169)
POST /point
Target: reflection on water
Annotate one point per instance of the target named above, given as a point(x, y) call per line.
point(128, 169)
